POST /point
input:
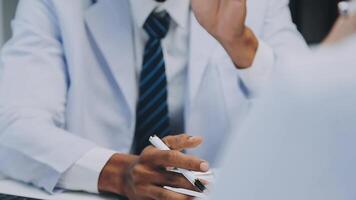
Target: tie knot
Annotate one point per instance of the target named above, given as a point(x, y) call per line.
point(157, 25)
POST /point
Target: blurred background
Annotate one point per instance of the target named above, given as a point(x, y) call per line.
point(7, 10)
point(314, 18)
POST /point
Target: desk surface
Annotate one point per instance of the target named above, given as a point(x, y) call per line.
point(19, 189)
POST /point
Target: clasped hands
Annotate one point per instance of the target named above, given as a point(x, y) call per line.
point(143, 177)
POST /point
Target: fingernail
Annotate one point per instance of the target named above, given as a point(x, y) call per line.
point(204, 166)
point(193, 138)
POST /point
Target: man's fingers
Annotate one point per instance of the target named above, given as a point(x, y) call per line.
point(172, 179)
point(175, 159)
point(205, 182)
point(161, 177)
point(183, 141)
point(159, 193)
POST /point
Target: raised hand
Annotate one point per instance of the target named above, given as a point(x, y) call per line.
point(225, 20)
point(221, 18)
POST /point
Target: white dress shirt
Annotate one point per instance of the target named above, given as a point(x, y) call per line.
point(85, 173)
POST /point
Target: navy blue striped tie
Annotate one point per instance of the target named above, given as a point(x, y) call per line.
point(152, 109)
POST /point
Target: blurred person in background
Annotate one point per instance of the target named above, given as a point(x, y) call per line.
point(304, 144)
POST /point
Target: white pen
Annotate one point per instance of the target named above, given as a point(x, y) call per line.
point(159, 144)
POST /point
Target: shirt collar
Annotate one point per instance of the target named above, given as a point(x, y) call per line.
point(177, 9)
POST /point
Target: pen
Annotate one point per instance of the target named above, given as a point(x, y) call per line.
point(159, 144)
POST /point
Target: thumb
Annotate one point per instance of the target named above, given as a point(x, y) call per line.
point(183, 141)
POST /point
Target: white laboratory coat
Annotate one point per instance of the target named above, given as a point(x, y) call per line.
point(69, 83)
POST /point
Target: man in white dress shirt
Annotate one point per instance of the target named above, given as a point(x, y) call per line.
point(85, 83)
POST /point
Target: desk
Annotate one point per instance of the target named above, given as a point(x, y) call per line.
point(20, 189)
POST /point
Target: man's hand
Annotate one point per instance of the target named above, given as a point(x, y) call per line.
point(143, 177)
point(343, 28)
point(225, 20)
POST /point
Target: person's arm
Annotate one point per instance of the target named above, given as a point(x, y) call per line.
point(34, 146)
point(344, 27)
point(254, 56)
point(84, 174)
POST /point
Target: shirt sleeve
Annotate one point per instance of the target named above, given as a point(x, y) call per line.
point(279, 43)
point(84, 174)
point(35, 146)
point(258, 74)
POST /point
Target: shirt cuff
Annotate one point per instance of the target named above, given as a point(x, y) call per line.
point(256, 76)
point(84, 174)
